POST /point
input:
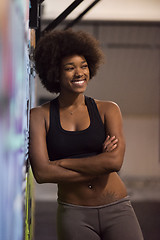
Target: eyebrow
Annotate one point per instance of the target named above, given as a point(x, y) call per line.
point(72, 63)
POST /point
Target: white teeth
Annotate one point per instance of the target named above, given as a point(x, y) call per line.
point(79, 82)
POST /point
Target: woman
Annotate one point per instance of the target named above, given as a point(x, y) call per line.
point(78, 143)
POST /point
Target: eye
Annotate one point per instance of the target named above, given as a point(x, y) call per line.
point(69, 68)
point(85, 66)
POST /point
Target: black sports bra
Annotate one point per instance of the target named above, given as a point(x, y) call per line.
point(75, 144)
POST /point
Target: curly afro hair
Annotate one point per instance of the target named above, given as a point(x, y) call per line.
point(56, 45)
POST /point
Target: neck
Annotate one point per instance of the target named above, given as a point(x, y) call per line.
point(71, 100)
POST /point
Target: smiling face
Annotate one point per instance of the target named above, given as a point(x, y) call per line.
point(74, 74)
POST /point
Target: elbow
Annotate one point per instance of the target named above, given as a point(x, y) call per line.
point(39, 177)
point(116, 167)
point(39, 180)
point(114, 164)
point(117, 163)
point(117, 158)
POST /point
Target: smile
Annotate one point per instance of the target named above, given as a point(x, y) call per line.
point(78, 82)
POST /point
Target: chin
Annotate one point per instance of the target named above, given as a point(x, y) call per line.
point(79, 90)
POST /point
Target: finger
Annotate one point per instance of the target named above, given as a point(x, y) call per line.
point(110, 149)
point(112, 138)
point(110, 146)
point(106, 142)
point(109, 140)
point(114, 141)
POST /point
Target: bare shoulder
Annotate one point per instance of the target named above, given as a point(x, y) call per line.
point(40, 112)
point(112, 116)
point(107, 107)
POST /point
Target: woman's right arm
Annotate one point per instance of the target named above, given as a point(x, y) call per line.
point(44, 170)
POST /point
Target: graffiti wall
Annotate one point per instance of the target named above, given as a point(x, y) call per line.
point(15, 102)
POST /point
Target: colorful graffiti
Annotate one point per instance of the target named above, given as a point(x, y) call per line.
point(14, 116)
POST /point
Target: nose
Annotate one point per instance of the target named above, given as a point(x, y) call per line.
point(78, 73)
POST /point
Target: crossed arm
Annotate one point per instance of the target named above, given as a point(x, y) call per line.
point(76, 170)
point(102, 163)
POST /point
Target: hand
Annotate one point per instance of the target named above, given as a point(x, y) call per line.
point(110, 144)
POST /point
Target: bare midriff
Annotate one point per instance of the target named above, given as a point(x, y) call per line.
point(101, 190)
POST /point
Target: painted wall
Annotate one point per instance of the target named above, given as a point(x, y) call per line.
point(15, 102)
point(142, 158)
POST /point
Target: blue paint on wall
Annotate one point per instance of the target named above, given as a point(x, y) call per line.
point(14, 96)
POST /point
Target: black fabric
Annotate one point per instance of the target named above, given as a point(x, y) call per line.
point(75, 144)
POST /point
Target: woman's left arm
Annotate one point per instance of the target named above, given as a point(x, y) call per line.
point(107, 161)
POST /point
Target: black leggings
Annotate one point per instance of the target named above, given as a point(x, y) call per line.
point(115, 221)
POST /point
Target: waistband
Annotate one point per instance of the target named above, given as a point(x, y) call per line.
point(127, 198)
